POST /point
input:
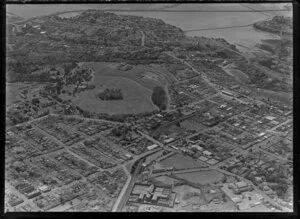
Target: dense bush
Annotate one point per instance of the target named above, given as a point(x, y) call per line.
point(111, 94)
point(159, 98)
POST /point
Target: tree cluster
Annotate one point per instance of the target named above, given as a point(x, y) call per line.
point(159, 98)
point(111, 94)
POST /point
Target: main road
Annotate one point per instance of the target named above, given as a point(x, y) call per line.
point(121, 201)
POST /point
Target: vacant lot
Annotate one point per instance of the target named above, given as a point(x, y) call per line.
point(137, 99)
point(180, 161)
point(187, 124)
point(187, 197)
point(202, 177)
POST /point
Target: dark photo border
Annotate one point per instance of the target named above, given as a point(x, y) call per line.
point(296, 110)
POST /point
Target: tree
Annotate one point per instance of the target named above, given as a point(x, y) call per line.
point(111, 94)
point(224, 197)
point(159, 97)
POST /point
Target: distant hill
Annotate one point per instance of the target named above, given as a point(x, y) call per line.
point(95, 35)
point(276, 24)
point(11, 17)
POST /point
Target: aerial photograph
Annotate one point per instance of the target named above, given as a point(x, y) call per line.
point(165, 107)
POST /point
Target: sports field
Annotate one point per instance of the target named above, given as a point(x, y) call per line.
point(202, 177)
point(180, 161)
point(153, 157)
point(166, 180)
point(137, 99)
point(136, 85)
point(149, 77)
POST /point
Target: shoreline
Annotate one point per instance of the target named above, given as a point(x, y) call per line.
point(258, 26)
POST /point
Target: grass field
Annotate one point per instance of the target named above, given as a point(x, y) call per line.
point(187, 124)
point(153, 157)
point(166, 180)
point(225, 207)
point(13, 91)
point(180, 161)
point(202, 177)
point(184, 189)
point(258, 208)
point(140, 73)
point(136, 85)
point(276, 96)
point(239, 75)
point(282, 97)
point(137, 99)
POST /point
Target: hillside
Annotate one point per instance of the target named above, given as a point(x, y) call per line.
point(90, 36)
point(275, 24)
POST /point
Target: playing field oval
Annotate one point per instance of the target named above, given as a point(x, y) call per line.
point(137, 99)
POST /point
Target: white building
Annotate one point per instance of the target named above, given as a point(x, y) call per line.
point(151, 147)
